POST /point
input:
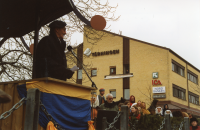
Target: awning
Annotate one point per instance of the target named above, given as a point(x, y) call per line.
point(17, 17)
point(118, 76)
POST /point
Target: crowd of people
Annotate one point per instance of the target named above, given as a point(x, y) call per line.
point(136, 109)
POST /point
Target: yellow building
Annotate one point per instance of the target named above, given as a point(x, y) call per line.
point(125, 66)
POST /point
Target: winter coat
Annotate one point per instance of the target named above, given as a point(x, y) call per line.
point(109, 106)
point(51, 59)
point(195, 128)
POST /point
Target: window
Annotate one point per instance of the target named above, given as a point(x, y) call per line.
point(179, 92)
point(126, 94)
point(79, 74)
point(178, 68)
point(193, 98)
point(192, 77)
point(113, 92)
point(126, 69)
point(94, 72)
point(112, 70)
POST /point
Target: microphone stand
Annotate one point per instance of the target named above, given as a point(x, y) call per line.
point(93, 84)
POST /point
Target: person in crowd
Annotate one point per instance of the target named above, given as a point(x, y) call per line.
point(185, 114)
point(190, 116)
point(134, 113)
point(165, 107)
point(119, 106)
point(168, 112)
point(4, 97)
point(140, 110)
point(109, 104)
point(132, 100)
point(194, 124)
point(177, 114)
point(100, 97)
point(94, 106)
point(127, 103)
point(152, 107)
point(144, 110)
point(139, 103)
point(158, 111)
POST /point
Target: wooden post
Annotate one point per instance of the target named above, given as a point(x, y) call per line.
point(32, 109)
point(167, 122)
point(186, 123)
point(124, 118)
point(104, 125)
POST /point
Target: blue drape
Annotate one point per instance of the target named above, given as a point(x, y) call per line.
point(70, 113)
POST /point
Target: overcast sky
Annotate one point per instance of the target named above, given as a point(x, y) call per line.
point(174, 24)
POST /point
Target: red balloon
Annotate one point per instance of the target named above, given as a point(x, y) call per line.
point(98, 22)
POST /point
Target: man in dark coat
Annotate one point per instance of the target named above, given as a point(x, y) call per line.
point(50, 58)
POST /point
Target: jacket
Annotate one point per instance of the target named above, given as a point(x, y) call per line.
point(51, 59)
point(197, 128)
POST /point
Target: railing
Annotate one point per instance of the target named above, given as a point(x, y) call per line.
point(126, 124)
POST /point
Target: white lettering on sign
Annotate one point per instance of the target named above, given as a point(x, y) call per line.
point(159, 90)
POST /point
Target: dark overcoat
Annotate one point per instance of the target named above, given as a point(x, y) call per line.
point(51, 59)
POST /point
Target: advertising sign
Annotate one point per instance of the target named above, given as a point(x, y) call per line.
point(159, 89)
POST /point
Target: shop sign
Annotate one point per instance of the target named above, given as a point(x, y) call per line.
point(159, 96)
point(159, 90)
point(105, 53)
point(156, 82)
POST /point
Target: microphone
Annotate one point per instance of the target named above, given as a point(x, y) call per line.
point(71, 49)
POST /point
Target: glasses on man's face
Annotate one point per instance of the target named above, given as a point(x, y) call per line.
point(110, 98)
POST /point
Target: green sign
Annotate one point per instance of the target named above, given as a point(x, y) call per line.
point(155, 75)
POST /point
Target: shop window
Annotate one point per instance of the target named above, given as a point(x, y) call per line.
point(193, 98)
point(80, 74)
point(177, 68)
point(126, 94)
point(126, 69)
point(112, 70)
point(179, 92)
point(192, 77)
point(113, 92)
point(94, 72)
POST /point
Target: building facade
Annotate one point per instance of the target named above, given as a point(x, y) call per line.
point(125, 66)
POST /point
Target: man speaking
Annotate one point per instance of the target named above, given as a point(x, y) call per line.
point(50, 54)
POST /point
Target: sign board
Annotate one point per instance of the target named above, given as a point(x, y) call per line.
point(159, 89)
point(155, 75)
point(159, 96)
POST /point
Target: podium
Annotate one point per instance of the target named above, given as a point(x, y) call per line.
point(68, 103)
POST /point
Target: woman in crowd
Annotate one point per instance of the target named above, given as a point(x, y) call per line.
point(194, 124)
point(158, 111)
point(132, 100)
point(165, 107)
point(144, 110)
point(134, 113)
point(140, 110)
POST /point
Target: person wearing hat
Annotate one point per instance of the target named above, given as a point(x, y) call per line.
point(100, 98)
point(194, 124)
point(50, 54)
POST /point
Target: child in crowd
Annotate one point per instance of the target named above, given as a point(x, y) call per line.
point(134, 112)
point(119, 106)
point(158, 111)
point(127, 103)
point(144, 110)
point(194, 124)
point(168, 112)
